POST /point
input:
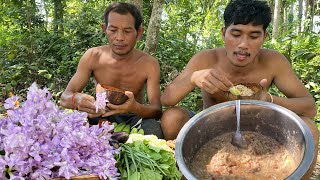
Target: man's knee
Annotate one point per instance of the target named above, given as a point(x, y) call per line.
point(172, 121)
point(174, 115)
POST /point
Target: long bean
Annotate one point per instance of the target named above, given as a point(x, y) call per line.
point(138, 157)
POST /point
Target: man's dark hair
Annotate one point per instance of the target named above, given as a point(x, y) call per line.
point(124, 8)
point(247, 11)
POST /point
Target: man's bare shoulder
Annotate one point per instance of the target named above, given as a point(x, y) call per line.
point(208, 52)
point(98, 51)
point(273, 57)
point(145, 58)
point(205, 58)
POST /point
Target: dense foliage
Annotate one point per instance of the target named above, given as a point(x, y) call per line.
point(33, 50)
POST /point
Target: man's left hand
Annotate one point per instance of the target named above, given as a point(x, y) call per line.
point(127, 107)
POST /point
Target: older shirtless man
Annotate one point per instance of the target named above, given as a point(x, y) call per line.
point(241, 60)
point(119, 65)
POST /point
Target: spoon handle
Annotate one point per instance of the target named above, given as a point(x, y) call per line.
point(238, 114)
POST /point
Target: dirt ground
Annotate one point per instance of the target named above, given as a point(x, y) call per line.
point(316, 172)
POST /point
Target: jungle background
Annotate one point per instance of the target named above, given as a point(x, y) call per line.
point(43, 40)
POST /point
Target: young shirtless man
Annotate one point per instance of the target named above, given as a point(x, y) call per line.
point(121, 66)
point(241, 60)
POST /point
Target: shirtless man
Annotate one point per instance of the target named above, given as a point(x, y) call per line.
point(241, 60)
point(121, 66)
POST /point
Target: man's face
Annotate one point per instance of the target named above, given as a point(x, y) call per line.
point(243, 43)
point(121, 33)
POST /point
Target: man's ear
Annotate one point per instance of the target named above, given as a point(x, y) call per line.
point(223, 32)
point(266, 34)
point(140, 32)
point(104, 27)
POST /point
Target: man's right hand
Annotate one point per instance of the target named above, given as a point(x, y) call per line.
point(85, 103)
point(211, 80)
point(265, 96)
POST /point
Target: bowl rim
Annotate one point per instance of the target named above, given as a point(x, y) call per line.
point(111, 88)
point(296, 174)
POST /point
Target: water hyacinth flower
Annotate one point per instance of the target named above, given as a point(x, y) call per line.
point(101, 98)
point(40, 141)
point(11, 103)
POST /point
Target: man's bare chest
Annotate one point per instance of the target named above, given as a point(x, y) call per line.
point(131, 79)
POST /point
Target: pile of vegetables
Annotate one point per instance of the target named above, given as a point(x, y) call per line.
point(147, 157)
point(123, 127)
point(40, 141)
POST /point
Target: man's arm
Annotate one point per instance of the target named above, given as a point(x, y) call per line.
point(72, 97)
point(153, 109)
point(179, 87)
point(196, 74)
point(298, 100)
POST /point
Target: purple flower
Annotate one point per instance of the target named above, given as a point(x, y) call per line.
point(101, 100)
point(42, 173)
point(3, 164)
point(67, 169)
point(41, 141)
point(11, 103)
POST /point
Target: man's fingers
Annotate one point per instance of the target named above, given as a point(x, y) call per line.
point(109, 113)
point(209, 88)
point(218, 84)
point(93, 115)
point(89, 110)
point(220, 76)
point(129, 94)
point(112, 106)
point(263, 83)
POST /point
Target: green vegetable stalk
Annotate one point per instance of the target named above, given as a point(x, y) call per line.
point(146, 157)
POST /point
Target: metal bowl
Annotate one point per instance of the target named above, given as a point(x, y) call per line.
point(266, 118)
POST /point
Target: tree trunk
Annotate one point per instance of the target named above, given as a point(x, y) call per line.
point(58, 16)
point(154, 27)
point(46, 8)
point(305, 18)
point(300, 15)
point(29, 14)
point(290, 17)
point(138, 3)
point(276, 19)
point(312, 11)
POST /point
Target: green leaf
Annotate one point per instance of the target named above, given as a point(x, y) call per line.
point(149, 174)
point(48, 76)
point(135, 176)
point(234, 91)
point(299, 53)
point(42, 71)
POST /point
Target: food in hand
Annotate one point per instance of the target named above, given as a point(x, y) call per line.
point(114, 95)
point(234, 91)
point(241, 90)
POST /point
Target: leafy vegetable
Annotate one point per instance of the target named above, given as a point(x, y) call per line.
point(147, 157)
point(234, 91)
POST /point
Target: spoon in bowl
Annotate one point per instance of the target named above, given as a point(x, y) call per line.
point(237, 139)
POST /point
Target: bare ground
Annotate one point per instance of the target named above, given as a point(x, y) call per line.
point(316, 172)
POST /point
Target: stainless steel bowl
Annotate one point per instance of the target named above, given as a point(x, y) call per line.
point(266, 118)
